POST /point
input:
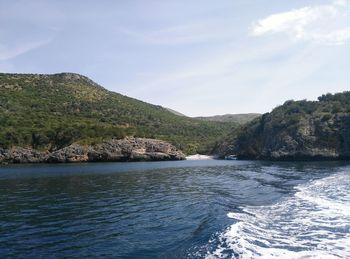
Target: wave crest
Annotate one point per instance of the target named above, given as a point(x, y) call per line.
point(313, 223)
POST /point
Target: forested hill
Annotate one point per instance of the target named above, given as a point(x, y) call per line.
point(235, 118)
point(48, 112)
point(299, 130)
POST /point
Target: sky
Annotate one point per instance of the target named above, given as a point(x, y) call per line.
point(198, 57)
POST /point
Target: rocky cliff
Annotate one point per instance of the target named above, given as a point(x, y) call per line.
point(299, 130)
point(129, 149)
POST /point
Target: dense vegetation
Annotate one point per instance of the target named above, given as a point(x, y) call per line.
point(299, 130)
point(235, 118)
point(49, 112)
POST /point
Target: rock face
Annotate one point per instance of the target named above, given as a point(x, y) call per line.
point(129, 149)
point(73, 153)
point(300, 130)
point(135, 149)
point(21, 155)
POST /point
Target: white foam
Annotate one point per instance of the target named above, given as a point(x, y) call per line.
point(314, 223)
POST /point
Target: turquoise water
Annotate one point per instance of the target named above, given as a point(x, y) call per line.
point(184, 209)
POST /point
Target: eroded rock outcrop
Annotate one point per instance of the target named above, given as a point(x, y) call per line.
point(70, 154)
point(134, 149)
point(21, 155)
point(129, 149)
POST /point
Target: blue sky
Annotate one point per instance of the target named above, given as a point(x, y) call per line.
point(198, 57)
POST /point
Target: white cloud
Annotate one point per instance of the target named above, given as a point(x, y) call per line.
point(9, 52)
point(325, 24)
point(341, 36)
point(181, 34)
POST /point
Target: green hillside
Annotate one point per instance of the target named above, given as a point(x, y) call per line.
point(234, 118)
point(48, 112)
point(299, 130)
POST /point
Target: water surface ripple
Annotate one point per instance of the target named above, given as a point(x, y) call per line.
point(185, 209)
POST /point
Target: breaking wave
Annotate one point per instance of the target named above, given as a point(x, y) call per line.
point(312, 223)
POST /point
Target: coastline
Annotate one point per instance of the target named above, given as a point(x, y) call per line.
point(115, 150)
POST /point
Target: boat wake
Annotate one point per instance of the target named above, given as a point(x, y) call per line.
point(313, 223)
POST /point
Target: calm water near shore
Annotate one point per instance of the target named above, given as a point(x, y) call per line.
point(183, 209)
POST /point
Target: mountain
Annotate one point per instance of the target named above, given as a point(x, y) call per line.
point(50, 112)
point(235, 118)
point(299, 130)
point(175, 112)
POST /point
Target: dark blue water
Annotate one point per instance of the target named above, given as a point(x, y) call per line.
point(185, 209)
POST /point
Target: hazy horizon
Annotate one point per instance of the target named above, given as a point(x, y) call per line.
point(199, 58)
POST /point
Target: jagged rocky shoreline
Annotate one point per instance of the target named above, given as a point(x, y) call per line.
point(115, 150)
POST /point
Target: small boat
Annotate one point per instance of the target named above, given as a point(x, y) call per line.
point(231, 157)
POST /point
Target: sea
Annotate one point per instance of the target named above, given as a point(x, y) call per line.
point(180, 209)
